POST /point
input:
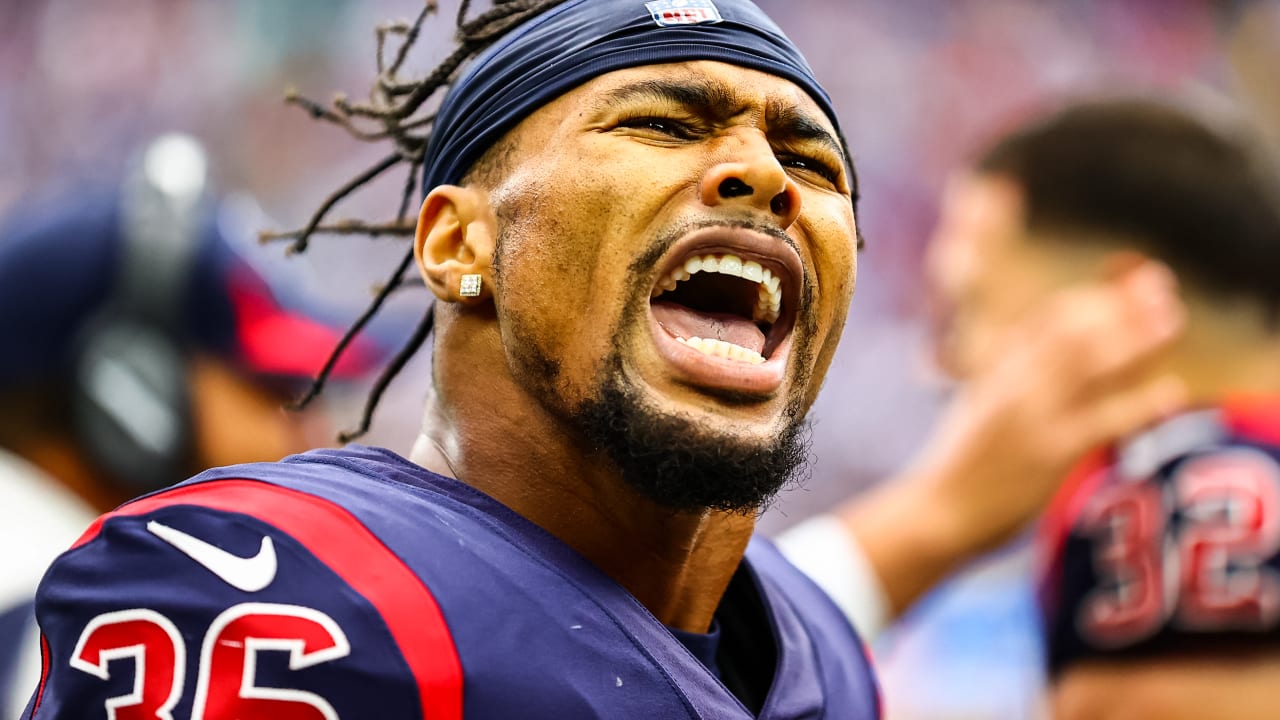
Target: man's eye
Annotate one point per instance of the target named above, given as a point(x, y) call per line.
point(812, 165)
point(661, 125)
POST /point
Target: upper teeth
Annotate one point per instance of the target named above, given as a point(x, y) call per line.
point(769, 302)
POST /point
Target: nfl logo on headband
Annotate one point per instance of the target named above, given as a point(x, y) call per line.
point(683, 12)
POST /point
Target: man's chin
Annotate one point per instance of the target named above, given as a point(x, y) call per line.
point(690, 462)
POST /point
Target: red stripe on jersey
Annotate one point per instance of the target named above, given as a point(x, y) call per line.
point(1061, 515)
point(343, 543)
point(44, 673)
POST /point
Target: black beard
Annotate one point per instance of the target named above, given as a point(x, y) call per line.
point(678, 464)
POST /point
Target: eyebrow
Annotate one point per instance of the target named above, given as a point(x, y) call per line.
point(720, 101)
point(714, 96)
point(798, 124)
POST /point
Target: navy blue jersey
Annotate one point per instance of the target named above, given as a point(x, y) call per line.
point(1170, 543)
point(355, 584)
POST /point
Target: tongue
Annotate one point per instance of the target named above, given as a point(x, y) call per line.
point(687, 323)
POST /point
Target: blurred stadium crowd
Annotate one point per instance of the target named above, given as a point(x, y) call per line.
point(918, 83)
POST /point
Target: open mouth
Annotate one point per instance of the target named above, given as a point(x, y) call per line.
point(729, 295)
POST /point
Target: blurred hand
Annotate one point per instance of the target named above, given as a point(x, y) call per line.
point(1081, 372)
point(1077, 375)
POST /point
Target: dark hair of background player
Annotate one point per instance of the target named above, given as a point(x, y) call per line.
point(398, 111)
point(1204, 200)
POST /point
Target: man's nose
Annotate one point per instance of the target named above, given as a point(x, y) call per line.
point(751, 176)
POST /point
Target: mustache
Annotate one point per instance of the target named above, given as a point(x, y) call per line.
point(670, 236)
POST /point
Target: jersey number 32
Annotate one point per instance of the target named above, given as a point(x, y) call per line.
point(1206, 571)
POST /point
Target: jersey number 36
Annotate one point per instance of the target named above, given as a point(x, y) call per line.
point(226, 686)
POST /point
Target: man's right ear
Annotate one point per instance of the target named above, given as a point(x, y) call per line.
point(455, 242)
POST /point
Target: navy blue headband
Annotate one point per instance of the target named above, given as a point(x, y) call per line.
point(582, 39)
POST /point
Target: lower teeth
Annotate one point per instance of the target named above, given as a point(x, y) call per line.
point(720, 348)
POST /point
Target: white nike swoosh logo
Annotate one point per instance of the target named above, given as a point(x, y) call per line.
point(249, 574)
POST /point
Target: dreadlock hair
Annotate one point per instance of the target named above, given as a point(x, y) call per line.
point(397, 111)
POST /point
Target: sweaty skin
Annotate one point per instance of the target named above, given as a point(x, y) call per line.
point(570, 242)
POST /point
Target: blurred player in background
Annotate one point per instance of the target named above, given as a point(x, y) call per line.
point(1161, 587)
point(640, 234)
point(139, 349)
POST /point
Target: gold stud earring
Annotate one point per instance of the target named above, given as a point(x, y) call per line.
point(470, 286)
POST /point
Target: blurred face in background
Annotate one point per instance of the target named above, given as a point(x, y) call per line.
point(987, 271)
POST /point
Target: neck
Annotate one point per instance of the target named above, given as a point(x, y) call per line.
point(676, 564)
point(1225, 351)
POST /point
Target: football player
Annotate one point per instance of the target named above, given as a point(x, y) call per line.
point(1161, 590)
point(640, 231)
